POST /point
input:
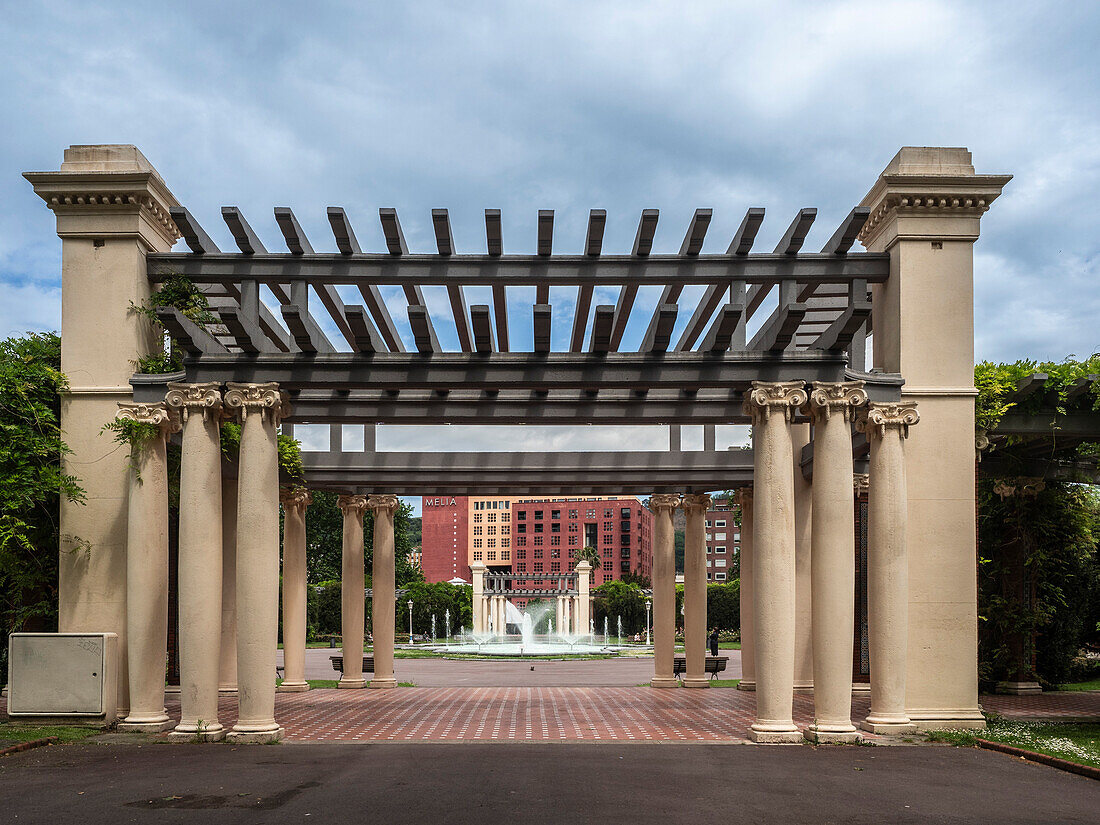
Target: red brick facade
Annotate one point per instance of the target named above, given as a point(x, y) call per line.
point(723, 541)
point(444, 523)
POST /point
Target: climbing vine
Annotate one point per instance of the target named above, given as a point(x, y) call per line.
point(179, 292)
point(136, 435)
point(290, 450)
point(996, 383)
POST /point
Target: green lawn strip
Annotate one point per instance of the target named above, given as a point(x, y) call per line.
point(1093, 684)
point(322, 684)
point(28, 733)
point(1073, 741)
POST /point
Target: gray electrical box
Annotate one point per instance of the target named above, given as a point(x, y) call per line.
point(69, 676)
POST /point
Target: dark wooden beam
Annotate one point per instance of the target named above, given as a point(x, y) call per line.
point(391, 229)
point(746, 233)
point(191, 337)
point(444, 240)
point(580, 317)
point(1080, 388)
point(193, 235)
point(246, 239)
point(778, 332)
point(1028, 386)
point(483, 330)
point(542, 314)
point(546, 232)
point(304, 330)
point(643, 239)
point(342, 231)
point(422, 329)
point(500, 311)
point(841, 332)
point(600, 340)
point(696, 233)
point(593, 241)
point(659, 334)
point(494, 241)
point(296, 240)
point(712, 296)
point(847, 232)
point(372, 297)
point(720, 334)
point(247, 335)
point(795, 235)
point(364, 336)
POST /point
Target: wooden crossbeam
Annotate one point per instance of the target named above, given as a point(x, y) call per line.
point(494, 241)
point(600, 340)
point(669, 295)
point(593, 241)
point(779, 331)
point(247, 296)
point(712, 296)
point(483, 330)
point(441, 223)
point(659, 334)
point(246, 239)
point(847, 232)
point(840, 333)
point(364, 336)
point(720, 335)
point(342, 231)
point(193, 235)
point(245, 332)
point(795, 235)
point(1080, 387)
point(304, 330)
point(545, 244)
point(623, 308)
point(696, 232)
point(542, 315)
point(580, 317)
point(643, 239)
point(746, 233)
point(500, 310)
point(372, 297)
point(1028, 386)
point(191, 337)
point(444, 242)
point(296, 240)
point(391, 229)
point(422, 329)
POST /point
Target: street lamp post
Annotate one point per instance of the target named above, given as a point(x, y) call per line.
point(411, 622)
point(648, 604)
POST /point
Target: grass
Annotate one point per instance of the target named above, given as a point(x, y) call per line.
point(1093, 684)
point(321, 684)
point(27, 733)
point(1073, 741)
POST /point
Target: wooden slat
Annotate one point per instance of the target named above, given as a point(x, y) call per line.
point(746, 233)
point(342, 231)
point(364, 336)
point(720, 334)
point(580, 317)
point(391, 229)
point(483, 330)
point(779, 331)
point(500, 310)
point(795, 235)
point(839, 334)
point(246, 239)
point(593, 241)
point(189, 336)
point(246, 333)
point(643, 239)
point(193, 235)
point(696, 233)
point(304, 330)
point(1028, 386)
point(847, 232)
point(296, 240)
point(600, 340)
point(622, 313)
point(659, 334)
point(1080, 387)
point(247, 296)
point(542, 315)
point(712, 296)
point(669, 295)
point(444, 240)
point(546, 232)
point(377, 307)
point(494, 241)
point(423, 332)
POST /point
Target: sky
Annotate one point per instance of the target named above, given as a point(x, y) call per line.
point(571, 106)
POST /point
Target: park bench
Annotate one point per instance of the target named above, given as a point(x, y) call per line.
point(338, 664)
point(713, 665)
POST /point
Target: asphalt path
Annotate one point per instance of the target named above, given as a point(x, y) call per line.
point(484, 784)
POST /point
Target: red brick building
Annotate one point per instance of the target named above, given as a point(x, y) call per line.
point(723, 541)
point(444, 527)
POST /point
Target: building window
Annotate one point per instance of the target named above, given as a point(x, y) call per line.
point(477, 518)
point(555, 527)
point(572, 541)
point(708, 523)
point(538, 541)
point(719, 562)
point(538, 552)
point(590, 513)
point(538, 567)
point(477, 531)
point(505, 555)
point(608, 538)
point(573, 527)
point(720, 523)
point(607, 514)
point(607, 552)
point(521, 528)
point(572, 552)
point(719, 536)
point(491, 543)
point(522, 567)
point(492, 555)
point(492, 530)
point(521, 541)
point(624, 567)
point(538, 515)
point(555, 541)
point(506, 542)
point(720, 577)
point(555, 514)
point(572, 514)
point(477, 555)
point(624, 539)
point(719, 549)
point(477, 542)
point(555, 567)
point(522, 515)
point(538, 527)
point(521, 554)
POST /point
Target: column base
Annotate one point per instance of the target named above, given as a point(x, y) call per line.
point(194, 734)
point(352, 684)
point(226, 690)
point(292, 687)
point(664, 682)
point(146, 725)
point(255, 737)
point(747, 684)
point(696, 682)
point(887, 725)
point(776, 735)
point(834, 736)
point(1019, 688)
point(861, 687)
point(804, 687)
point(382, 684)
point(947, 718)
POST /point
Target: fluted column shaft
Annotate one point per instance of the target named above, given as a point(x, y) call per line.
point(833, 573)
point(745, 595)
point(664, 590)
point(147, 565)
point(294, 503)
point(772, 406)
point(227, 680)
point(200, 559)
point(352, 584)
point(887, 426)
point(383, 586)
point(695, 591)
point(260, 406)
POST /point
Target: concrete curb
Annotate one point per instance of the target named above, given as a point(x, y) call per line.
point(1042, 759)
point(26, 746)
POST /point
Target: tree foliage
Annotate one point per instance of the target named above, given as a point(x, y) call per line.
point(996, 383)
point(618, 598)
point(724, 605)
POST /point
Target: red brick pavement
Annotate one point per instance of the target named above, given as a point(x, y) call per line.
point(1062, 704)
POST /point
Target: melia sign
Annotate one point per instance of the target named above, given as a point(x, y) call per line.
point(441, 502)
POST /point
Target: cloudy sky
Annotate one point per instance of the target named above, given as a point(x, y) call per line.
point(570, 106)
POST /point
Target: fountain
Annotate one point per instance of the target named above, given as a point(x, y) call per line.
point(619, 623)
point(606, 632)
point(447, 624)
point(433, 627)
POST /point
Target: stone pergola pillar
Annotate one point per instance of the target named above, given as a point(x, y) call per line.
point(584, 596)
point(111, 209)
point(748, 639)
point(803, 591)
point(695, 591)
point(384, 588)
point(477, 572)
point(260, 407)
point(559, 614)
point(294, 504)
point(926, 210)
point(147, 567)
point(832, 408)
point(227, 668)
point(352, 589)
point(887, 426)
point(772, 406)
point(664, 590)
point(200, 559)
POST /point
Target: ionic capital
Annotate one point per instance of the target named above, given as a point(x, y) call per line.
point(842, 397)
point(157, 414)
point(880, 417)
point(385, 503)
point(297, 499)
point(205, 399)
point(265, 399)
point(664, 501)
point(695, 502)
point(861, 483)
point(352, 505)
point(766, 397)
point(743, 497)
point(1022, 487)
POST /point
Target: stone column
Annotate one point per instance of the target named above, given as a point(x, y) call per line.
point(926, 209)
point(772, 406)
point(559, 615)
point(260, 407)
point(382, 613)
point(695, 591)
point(832, 407)
point(147, 566)
point(477, 571)
point(294, 504)
point(352, 587)
point(664, 590)
point(111, 209)
point(748, 641)
point(803, 596)
point(227, 680)
point(567, 604)
point(200, 559)
point(584, 595)
point(887, 426)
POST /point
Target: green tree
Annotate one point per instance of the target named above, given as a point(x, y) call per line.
point(618, 598)
point(724, 606)
point(32, 484)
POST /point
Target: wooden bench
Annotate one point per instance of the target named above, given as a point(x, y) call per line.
point(338, 664)
point(713, 665)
